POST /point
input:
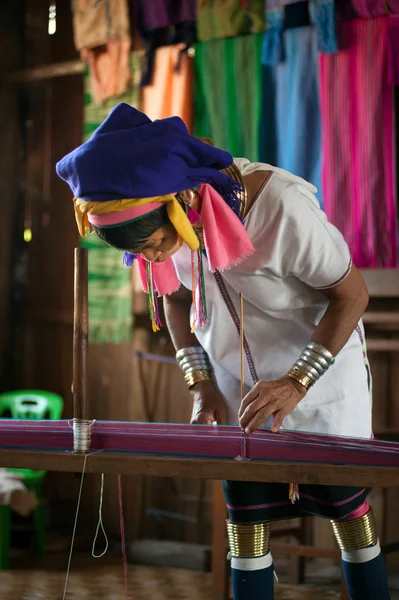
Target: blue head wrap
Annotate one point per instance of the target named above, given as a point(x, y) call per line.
point(130, 156)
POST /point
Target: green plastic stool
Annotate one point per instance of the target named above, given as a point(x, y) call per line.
point(27, 404)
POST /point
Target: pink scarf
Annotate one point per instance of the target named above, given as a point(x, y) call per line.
point(226, 243)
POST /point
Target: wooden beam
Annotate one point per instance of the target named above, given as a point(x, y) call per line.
point(383, 317)
point(303, 550)
point(44, 72)
point(382, 345)
point(382, 283)
point(206, 468)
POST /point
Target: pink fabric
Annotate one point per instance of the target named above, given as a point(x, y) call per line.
point(377, 8)
point(359, 512)
point(358, 148)
point(123, 216)
point(164, 274)
point(225, 239)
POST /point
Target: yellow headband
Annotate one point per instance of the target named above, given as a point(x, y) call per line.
point(176, 214)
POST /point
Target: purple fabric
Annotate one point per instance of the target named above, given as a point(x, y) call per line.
point(375, 8)
point(393, 51)
point(154, 14)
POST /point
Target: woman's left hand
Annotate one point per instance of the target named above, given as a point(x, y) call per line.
point(278, 398)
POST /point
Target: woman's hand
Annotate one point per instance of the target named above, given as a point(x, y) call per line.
point(209, 405)
point(278, 398)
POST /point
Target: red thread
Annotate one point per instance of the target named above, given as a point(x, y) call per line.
point(123, 542)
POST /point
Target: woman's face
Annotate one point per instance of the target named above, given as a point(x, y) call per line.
point(162, 244)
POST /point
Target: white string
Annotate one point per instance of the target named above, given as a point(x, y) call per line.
point(74, 527)
point(100, 524)
point(70, 423)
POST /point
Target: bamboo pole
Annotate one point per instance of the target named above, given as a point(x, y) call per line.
point(80, 336)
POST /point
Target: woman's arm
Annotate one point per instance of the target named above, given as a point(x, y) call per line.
point(348, 301)
point(208, 403)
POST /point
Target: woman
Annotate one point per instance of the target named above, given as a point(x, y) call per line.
point(191, 216)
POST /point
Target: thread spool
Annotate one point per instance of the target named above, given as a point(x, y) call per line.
point(81, 435)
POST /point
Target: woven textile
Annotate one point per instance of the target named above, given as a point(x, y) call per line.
point(217, 19)
point(228, 93)
point(358, 146)
point(102, 35)
point(377, 8)
point(291, 124)
point(110, 287)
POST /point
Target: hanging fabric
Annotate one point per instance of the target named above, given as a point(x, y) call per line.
point(290, 131)
point(358, 146)
point(228, 93)
point(102, 36)
point(171, 90)
point(322, 15)
point(155, 14)
point(228, 18)
point(110, 283)
point(162, 23)
point(376, 8)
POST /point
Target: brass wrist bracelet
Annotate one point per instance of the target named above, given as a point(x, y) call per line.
point(296, 375)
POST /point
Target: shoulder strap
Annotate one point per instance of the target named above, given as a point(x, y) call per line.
point(236, 320)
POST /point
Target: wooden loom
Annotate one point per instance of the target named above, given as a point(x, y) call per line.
point(51, 446)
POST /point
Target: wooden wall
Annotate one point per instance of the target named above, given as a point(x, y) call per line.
point(11, 165)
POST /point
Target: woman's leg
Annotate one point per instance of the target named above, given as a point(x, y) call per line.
point(252, 569)
point(362, 561)
point(251, 507)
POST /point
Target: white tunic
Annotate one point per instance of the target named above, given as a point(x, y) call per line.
point(296, 251)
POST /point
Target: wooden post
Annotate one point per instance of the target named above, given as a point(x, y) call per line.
point(220, 568)
point(80, 336)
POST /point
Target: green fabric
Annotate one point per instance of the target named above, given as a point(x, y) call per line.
point(110, 283)
point(218, 19)
point(228, 87)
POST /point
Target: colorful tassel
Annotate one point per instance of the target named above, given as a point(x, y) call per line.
point(293, 492)
point(153, 307)
point(198, 286)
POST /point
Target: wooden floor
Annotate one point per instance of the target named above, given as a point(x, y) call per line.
point(103, 580)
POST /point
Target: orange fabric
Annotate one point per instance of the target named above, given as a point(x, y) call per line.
point(170, 93)
point(102, 35)
point(109, 69)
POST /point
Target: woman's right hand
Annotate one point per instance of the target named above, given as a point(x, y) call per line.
point(209, 405)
